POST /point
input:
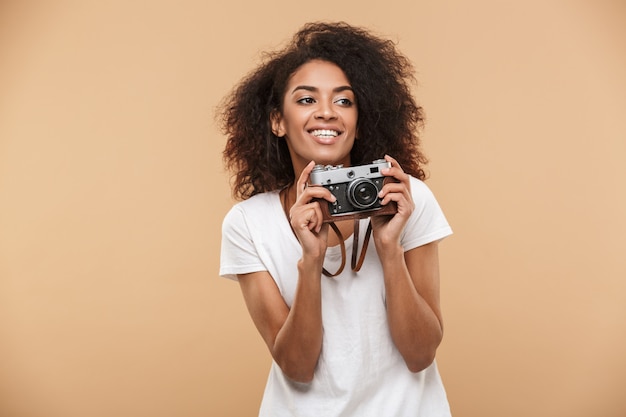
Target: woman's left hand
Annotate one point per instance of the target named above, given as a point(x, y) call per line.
point(387, 229)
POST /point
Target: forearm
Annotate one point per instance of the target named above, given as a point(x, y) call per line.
point(299, 342)
point(415, 328)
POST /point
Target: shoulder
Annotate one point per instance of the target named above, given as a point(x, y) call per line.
point(423, 197)
point(257, 206)
point(420, 191)
point(256, 202)
point(427, 222)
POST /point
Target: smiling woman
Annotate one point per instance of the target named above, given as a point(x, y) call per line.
point(319, 116)
point(364, 341)
point(380, 79)
point(112, 197)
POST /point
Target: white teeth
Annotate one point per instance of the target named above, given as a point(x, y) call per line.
point(325, 132)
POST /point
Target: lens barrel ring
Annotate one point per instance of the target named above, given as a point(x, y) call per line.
point(362, 193)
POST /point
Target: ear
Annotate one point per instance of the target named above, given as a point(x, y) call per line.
point(276, 121)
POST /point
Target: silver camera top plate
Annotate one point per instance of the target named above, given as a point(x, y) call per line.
point(329, 174)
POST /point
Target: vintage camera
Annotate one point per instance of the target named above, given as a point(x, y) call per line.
point(356, 189)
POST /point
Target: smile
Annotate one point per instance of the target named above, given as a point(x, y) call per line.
point(325, 133)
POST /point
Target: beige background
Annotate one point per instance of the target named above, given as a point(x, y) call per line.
point(112, 194)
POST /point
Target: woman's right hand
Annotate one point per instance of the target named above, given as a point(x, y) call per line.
point(306, 217)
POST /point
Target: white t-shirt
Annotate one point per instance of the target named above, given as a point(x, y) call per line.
point(360, 372)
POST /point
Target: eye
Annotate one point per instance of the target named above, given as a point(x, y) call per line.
point(306, 100)
point(346, 102)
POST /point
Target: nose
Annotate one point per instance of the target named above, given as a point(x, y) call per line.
point(325, 111)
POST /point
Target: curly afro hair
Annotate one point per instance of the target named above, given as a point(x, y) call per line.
point(389, 118)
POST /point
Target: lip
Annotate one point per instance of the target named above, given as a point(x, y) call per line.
point(328, 140)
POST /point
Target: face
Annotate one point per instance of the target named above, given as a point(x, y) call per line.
point(319, 116)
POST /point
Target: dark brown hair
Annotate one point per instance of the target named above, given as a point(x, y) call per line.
point(389, 118)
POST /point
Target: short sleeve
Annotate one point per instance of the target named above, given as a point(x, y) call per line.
point(427, 222)
point(239, 254)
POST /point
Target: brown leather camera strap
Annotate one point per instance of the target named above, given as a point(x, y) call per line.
point(343, 252)
point(355, 264)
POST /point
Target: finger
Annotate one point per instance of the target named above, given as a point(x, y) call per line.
point(400, 198)
point(393, 161)
point(318, 192)
point(401, 186)
point(395, 165)
point(397, 173)
point(304, 216)
point(314, 218)
point(319, 218)
point(304, 178)
point(399, 192)
point(395, 187)
point(301, 219)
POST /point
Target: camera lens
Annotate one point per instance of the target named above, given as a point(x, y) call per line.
point(362, 193)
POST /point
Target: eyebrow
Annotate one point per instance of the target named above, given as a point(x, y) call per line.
point(315, 89)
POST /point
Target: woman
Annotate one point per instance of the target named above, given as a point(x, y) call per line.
point(361, 343)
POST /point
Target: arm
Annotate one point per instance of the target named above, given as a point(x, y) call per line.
point(411, 279)
point(294, 335)
point(413, 310)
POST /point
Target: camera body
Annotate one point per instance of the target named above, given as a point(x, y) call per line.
point(356, 189)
